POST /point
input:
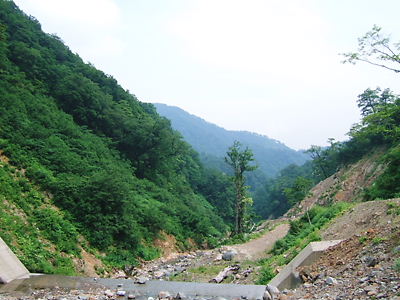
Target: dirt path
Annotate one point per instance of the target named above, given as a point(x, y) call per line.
point(255, 249)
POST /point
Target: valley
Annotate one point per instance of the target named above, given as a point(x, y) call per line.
point(110, 197)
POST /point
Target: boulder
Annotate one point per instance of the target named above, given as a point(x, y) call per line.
point(229, 255)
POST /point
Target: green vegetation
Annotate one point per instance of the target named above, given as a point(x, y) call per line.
point(376, 49)
point(116, 171)
point(42, 237)
point(240, 160)
point(212, 141)
point(363, 239)
point(397, 265)
point(278, 194)
point(301, 233)
point(378, 240)
point(393, 208)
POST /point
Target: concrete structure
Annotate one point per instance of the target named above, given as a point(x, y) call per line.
point(288, 278)
point(10, 266)
point(150, 288)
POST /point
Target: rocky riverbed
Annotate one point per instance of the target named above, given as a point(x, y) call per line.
point(362, 267)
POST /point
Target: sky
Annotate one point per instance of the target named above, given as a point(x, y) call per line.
point(266, 66)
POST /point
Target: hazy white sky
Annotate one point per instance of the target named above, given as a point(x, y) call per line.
point(267, 66)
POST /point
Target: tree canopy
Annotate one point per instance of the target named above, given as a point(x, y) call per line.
point(240, 161)
point(375, 48)
point(109, 161)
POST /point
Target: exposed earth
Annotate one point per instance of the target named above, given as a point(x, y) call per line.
point(203, 266)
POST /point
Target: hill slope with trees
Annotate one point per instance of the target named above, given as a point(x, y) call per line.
point(84, 159)
point(212, 142)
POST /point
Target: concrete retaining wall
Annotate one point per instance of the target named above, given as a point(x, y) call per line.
point(10, 266)
point(288, 277)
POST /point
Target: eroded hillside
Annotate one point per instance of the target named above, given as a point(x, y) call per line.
point(347, 185)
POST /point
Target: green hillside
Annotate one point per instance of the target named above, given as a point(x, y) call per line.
point(212, 142)
point(111, 169)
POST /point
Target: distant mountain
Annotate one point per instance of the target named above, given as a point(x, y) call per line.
point(212, 142)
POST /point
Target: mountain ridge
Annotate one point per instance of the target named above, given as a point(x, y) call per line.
point(212, 140)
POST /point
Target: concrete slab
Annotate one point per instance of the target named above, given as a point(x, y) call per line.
point(10, 266)
point(150, 288)
point(288, 277)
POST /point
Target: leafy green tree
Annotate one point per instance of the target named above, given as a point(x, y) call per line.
point(240, 160)
point(376, 49)
point(370, 101)
point(319, 159)
point(299, 190)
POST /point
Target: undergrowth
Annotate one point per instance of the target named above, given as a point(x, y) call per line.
point(302, 231)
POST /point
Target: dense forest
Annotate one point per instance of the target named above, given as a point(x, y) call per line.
point(212, 142)
point(278, 165)
point(117, 171)
point(85, 165)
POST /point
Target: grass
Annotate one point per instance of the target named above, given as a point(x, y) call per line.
point(393, 208)
point(397, 265)
point(301, 233)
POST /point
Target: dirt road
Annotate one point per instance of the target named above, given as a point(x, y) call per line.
point(255, 249)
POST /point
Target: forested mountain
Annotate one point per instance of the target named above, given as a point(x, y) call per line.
point(82, 157)
point(378, 132)
point(212, 142)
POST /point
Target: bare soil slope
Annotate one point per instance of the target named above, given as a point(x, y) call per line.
point(363, 266)
point(346, 185)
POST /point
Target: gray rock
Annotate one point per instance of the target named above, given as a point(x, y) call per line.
point(273, 290)
point(179, 269)
point(121, 293)
point(331, 281)
point(141, 280)
point(370, 261)
point(267, 296)
point(180, 296)
point(229, 255)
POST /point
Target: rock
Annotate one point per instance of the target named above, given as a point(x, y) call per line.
point(108, 293)
point(267, 296)
point(141, 280)
point(164, 295)
point(121, 293)
point(273, 290)
point(218, 257)
point(159, 274)
point(229, 255)
point(370, 261)
point(331, 281)
point(131, 296)
point(179, 269)
point(120, 274)
point(180, 296)
point(371, 290)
